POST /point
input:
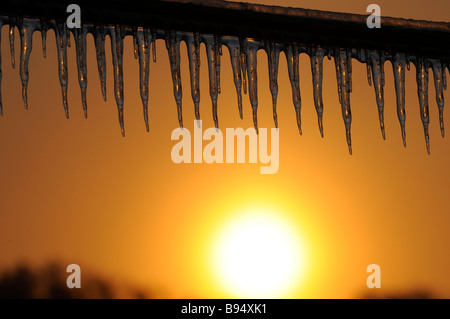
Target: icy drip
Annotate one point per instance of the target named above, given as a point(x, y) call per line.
point(154, 46)
point(117, 54)
point(173, 48)
point(99, 37)
point(26, 37)
point(398, 63)
point(273, 56)
point(44, 28)
point(218, 52)
point(211, 53)
point(243, 46)
point(193, 46)
point(11, 42)
point(143, 38)
point(317, 55)
point(235, 56)
point(376, 61)
point(61, 44)
point(252, 50)
point(135, 44)
point(422, 91)
point(341, 60)
point(80, 48)
point(292, 58)
point(439, 76)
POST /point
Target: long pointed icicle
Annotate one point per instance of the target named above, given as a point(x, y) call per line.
point(422, 91)
point(11, 42)
point(293, 69)
point(252, 50)
point(317, 56)
point(80, 48)
point(26, 38)
point(193, 46)
point(273, 55)
point(117, 54)
point(143, 38)
point(235, 56)
point(218, 48)
point(438, 73)
point(99, 37)
point(376, 61)
point(212, 67)
point(61, 45)
point(243, 46)
point(343, 79)
point(399, 62)
point(173, 48)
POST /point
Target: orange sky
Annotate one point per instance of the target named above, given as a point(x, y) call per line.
point(76, 190)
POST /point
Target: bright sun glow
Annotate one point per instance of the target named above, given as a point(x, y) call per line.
point(259, 255)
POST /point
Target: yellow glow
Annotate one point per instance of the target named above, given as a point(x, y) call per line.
point(259, 255)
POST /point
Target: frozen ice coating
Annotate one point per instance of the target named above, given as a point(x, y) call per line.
point(99, 37)
point(193, 46)
point(439, 74)
point(317, 55)
point(273, 57)
point(212, 55)
point(173, 48)
point(116, 35)
point(243, 57)
point(422, 91)
point(235, 57)
point(252, 50)
point(398, 66)
point(143, 38)
point(376, 61)
point(26, 37)
point(341, 61)
point(80, 44)
point(292, 57)
point(61, 44)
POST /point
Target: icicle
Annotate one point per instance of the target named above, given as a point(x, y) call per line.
point(349, 69)
point(193, 46)
point(26, 37)
point(154, 46)
point(11, 42)
point(173, 48)
point(317, 56)
point(235, 56)
point(243, 46)
point(343, 80)
point(273, 55)
point(99, 37)
point(422, 91)
point(143, 38)
point(218, 52)
point(293, 69)
point(251, 53)
point(444, 76)
point(44, 28)
point(438, 73)
point(61, 45)
point(399, 62)
point(117, 54)
point(369, 67)
point(212, 67)
point(377, 65)
point(80, 48)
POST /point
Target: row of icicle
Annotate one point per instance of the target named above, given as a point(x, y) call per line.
point(243, 53)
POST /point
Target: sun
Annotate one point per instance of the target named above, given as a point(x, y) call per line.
point(259, 255)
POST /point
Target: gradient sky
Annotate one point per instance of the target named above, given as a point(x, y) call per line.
point(76, 191)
